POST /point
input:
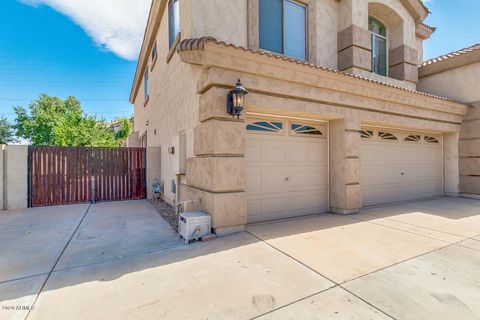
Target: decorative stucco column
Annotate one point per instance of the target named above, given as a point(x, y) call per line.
point(345, 189)
point(354, 44)
point(354, 49)
point(469, 149)
point(403, 63)
point(451, 161)
point(216, 175)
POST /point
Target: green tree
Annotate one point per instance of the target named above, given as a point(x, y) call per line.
point(6, 131)
point(51, 121)
point(126, 128)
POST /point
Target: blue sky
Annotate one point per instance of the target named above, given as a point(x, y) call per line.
point(44, 51)
point(458, 26)
point(88, 48)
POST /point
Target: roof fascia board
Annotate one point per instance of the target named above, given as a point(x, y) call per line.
point(449, 64)
point(153, 24)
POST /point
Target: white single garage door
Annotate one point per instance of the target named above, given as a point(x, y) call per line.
point(287, 169)
point(399, 166)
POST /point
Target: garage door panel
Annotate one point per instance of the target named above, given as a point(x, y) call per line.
point(266, 179)
point(395, 171)
point(396, 193)
point(393, 174)
point(285, 206)
point(253, 153)
point(307, 152)
point(274, 205)
point(276, 153)
point(307, 202)
point(287, 176)
point(260, 151)
point(254, 181)
point(302, 178)
point(273, 179)
point(254, 207)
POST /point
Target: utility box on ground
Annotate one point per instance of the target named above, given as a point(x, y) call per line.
point(192, 226)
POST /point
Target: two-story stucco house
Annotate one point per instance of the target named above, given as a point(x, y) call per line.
point(333, 120)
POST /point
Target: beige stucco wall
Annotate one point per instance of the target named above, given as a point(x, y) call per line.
point(172, 106)
point(225, 20)
point(16, 177)
point(357, 11)
point(154, 155)
point(462, 84)
point(228, 20)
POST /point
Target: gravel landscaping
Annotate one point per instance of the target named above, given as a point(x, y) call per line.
point(167, 212)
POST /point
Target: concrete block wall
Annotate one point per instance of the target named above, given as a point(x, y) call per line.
point(14, 177)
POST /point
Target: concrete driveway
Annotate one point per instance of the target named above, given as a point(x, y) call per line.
point(122, 261)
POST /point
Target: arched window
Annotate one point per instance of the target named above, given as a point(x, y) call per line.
point(379, 46)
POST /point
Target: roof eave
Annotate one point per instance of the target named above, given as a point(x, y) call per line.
point(189, 50)
point(153, 23)
point(457, 61)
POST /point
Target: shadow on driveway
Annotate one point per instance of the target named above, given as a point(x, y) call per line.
point(125, 261)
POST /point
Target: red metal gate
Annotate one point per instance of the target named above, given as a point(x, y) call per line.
point(69, 175)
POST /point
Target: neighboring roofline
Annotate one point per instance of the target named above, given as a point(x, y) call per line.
point(199, 44)
point(452, 60)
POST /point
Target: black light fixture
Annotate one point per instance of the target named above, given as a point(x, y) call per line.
point(236, 99)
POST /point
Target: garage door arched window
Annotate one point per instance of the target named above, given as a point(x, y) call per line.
point(305, 129)
point(413, 138)
point(366, 134)
point(283, 27)
point(265, 127)
point(429, 139)
point(379, 46)
point(387, 136)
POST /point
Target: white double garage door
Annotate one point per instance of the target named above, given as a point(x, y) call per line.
point(288, 167)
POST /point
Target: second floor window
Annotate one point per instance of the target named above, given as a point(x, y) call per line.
point(145, 80)
point(283, 27)
point(173, 21)
point(154, 52)
point(379, 46)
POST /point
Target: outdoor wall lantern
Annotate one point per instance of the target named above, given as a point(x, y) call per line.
point(236, 99)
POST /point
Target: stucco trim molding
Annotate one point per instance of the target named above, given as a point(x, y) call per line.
point(189, 52)
point(424, 31)
point(416, 8)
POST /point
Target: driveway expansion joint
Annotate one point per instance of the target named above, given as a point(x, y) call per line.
point(23, 278)
point(293, 302)
point(336, 284)
point(408, 224)
point(58, 259)
point(457, 243)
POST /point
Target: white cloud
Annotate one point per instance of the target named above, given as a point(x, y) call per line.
point(116, 25)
